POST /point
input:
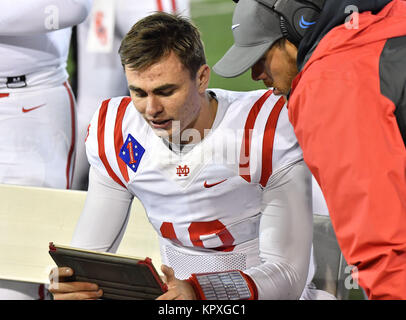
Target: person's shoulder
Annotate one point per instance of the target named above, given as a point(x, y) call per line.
point(239, 98)
point(248, 103)
point(108, 133)
point(115, 110)
point(114, 103)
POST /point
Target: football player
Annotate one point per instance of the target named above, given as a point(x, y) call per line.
point(100, 75)
point(36, 101)
point(220, 174)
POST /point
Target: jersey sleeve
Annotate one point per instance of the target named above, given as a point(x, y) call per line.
point(21, 17)
point(105, 138)
point(105, 201)
point(286, 223)
point(269, 143)
point(285, 235)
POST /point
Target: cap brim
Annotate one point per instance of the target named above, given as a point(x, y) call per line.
point(238, 59)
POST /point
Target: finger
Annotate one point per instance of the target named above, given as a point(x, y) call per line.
point(168, 273)
point(75, 286)
point(80, 295)
point(58, 274)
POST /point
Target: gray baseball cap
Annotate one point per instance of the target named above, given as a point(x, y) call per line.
point(255, 29)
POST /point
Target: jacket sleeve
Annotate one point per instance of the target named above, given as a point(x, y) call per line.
point(353, 147)
point(21, 17)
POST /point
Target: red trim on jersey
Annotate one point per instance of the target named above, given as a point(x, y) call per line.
point(69, 176)
point(200, 228)
point(267, 142)
point(4, 95)
point(118, 136)
point(246, 140)
point(159, 5)
point(251, 285)
point(167, 231)
point(100, 139)
point(174, 9)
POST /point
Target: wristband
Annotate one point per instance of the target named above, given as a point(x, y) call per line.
point(227, 285)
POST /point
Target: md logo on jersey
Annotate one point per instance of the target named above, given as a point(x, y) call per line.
point(131, 152)
point(185, 170)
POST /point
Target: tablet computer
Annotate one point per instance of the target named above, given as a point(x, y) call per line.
point(120, 277)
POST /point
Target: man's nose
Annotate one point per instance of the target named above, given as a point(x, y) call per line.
point(153, 107)
point(258, 72)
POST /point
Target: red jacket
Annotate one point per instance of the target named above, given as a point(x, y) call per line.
point(351, 141)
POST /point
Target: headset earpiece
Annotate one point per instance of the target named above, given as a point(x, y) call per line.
point(296, 16)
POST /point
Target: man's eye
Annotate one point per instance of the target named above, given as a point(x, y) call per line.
point(166, 93)
point(139, 94)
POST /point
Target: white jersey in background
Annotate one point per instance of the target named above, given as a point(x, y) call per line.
point(238, 199)
point(100, 73)
point(34, 40)
point(37, 107)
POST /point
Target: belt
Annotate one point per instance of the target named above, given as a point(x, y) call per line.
point(16, 82)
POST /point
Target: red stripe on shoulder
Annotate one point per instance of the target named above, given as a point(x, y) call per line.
point(118, 135)
point(100, 139)
point(174, 8)
point(267, 142)
point(244, 165)
point(159, 5)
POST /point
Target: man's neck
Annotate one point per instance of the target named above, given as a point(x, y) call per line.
point(204, 122)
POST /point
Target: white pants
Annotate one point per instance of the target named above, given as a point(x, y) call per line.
point(37, 137)
point(37, 148)
point(101, 75)
point(15, 290)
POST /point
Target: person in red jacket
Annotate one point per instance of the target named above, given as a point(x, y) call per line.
point(348, 108)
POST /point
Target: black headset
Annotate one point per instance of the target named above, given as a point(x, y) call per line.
point(296, 16)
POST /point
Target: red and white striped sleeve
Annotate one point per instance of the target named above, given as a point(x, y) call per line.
point(269, 143)
point(105, 138)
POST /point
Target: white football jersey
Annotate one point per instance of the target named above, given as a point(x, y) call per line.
point(100, 65)
point(209, 199)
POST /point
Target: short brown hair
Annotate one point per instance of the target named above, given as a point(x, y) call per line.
point(156, 36)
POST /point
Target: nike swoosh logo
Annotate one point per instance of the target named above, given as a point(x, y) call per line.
point(25, 110)
point(235, 26)
point(206, 185)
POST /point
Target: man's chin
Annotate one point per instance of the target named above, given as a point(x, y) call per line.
point(278, 92)
point(162, 133)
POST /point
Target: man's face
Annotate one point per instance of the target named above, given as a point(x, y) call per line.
point(166, 96)
point(277, 68)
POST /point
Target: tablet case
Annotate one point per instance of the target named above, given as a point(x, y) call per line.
point(120, 277)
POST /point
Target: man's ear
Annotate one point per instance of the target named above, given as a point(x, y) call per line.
point(203, 78)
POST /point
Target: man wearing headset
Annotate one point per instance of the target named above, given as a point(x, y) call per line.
point(348, 107)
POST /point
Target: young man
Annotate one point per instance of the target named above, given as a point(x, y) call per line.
point(220, 173)
point(348, 108)
point(99, 67)
point(37, 107)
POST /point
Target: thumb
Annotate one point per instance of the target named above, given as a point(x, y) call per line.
point(168, 273)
